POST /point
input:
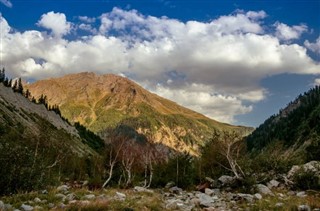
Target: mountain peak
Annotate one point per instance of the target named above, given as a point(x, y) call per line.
point(103, 101)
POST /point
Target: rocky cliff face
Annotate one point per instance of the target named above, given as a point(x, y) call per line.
point(103, 101)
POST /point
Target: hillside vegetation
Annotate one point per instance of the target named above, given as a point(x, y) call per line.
point(294, 132)
point(38, 147)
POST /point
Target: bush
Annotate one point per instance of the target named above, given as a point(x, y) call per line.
point(306, 180)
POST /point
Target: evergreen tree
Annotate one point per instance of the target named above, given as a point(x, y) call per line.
point(9, 83)
point(15, 86)
point(27, 94)
point(2, 75)
point(20, 87)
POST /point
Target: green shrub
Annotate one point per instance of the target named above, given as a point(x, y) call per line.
point(306, 180)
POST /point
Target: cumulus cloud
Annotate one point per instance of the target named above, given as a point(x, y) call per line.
point(7, 3)
point(315, 47)
point(212, 67)
point(57, 22)
point(285, 32)
point(87, 19)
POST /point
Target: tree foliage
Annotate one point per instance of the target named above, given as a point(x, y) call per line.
point(296, 124)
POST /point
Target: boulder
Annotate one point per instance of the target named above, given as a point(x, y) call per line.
point(205, 200)
point(208, 191)
point(175, 190)
point(26, 207)
point(142, 189)
point(63, 188)
point(2, 206)
point(50, 205)
point(70, 197)
point(258, 196)
point(264, 190)
point(89, 197)
point(301, 194)
point(37, 200)
point(279, 204)
point(120, 196)
point(169, 185)
point(248, 197)
point(273, 184)
point(226, 180)
point(60, 196)
point(304, 208)
point(312, 166)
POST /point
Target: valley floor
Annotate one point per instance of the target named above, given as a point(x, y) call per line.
point(139, 198)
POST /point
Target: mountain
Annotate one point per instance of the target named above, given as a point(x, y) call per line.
point(103, 101)
point(37, 147)
point(295, 129)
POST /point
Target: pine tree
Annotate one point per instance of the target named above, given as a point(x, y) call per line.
point(2, 75)
point(15, 86)
point(20, 87)
point(27, 94)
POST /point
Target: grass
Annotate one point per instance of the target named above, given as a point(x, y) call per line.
point(288, 202)
point(107, 200)
point(104, 200)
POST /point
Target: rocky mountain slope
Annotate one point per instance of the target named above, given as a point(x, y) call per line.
point(295, 129)
point(103, 101)
point(37, 147)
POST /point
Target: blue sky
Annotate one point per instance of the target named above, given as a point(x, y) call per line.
point(235, 61)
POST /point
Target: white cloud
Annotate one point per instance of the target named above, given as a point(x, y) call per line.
point(7, 3)
point(213, 67)
point(285, 32)
point(315, 47)
point(317, 81)
point(57, 22)
point(87, 19)
point(222, 108)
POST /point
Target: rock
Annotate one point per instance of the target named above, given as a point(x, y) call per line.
point(63, 188)
point(142, 189)
point(209, 179)
point(312, 168)
point(279, 204)
point(169, 185)
point(62, 206)
point(273, 184)
point(85, 183)
point(301, 194)
point(291, 193)
point(208, 191)
point(7, 207)
point(26, 207)
point(50, 205)
point(44, 192)
point(304, 208)
point(264, 190)
point(2, 205)
point(70, 197)
point(247, 197)
point(60, 195)
point(258, 196)
point(174, 203)
point(89, 197)
point(226, 180)
point(37, 200)
point(38, 207)
point(205, 200)
point(175, 190)
point(120, 196)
